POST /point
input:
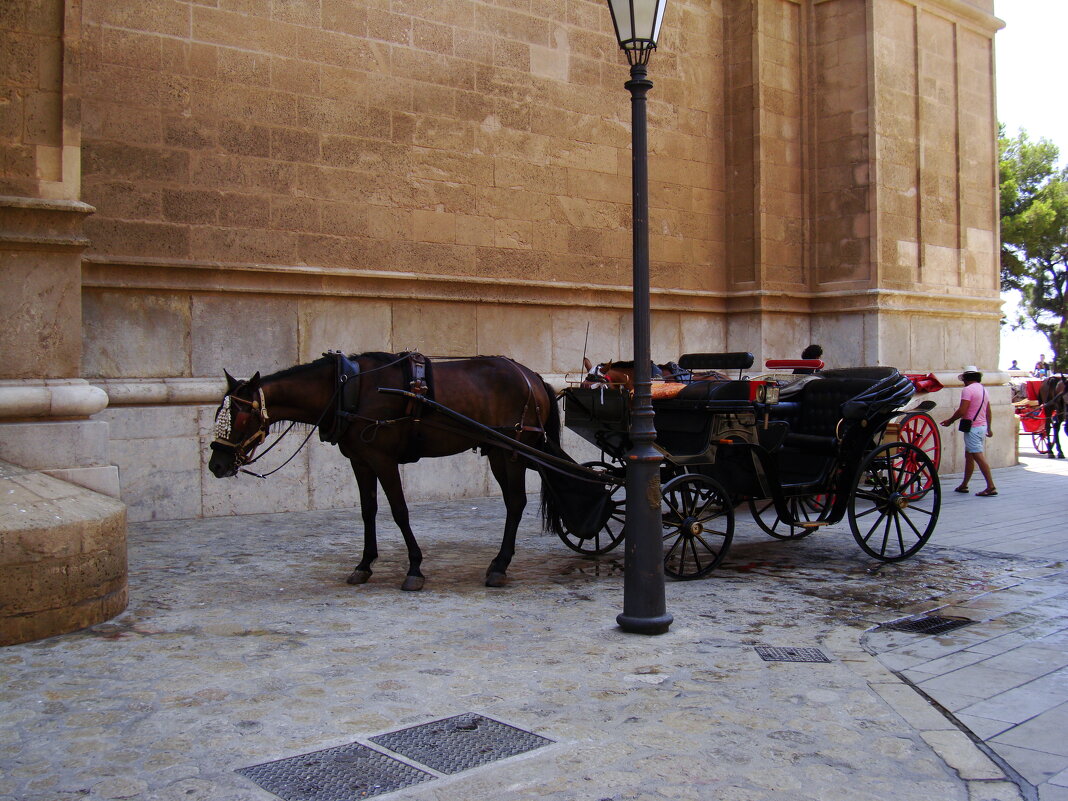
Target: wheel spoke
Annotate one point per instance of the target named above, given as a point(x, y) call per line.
point(693, 550)
point(886, 535)
point(915, 530)
point(872, 529)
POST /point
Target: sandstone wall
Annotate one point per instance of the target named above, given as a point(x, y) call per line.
point(272, 178)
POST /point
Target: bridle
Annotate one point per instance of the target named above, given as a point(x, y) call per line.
point(224, 425)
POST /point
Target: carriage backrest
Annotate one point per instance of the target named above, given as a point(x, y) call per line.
point(716, 361)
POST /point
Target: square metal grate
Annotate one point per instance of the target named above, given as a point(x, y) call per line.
point(928, 624)
point(772, 654)
point(344, 773)
point(459, 743)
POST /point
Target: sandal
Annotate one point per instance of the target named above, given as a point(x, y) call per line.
point(962, 488)
point(987, 493)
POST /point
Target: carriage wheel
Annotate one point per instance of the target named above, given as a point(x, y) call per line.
point(894, 507)
point(920, 429)
point(611, 533)
point(803, 508)
point(698, 525)
point(1040, 443)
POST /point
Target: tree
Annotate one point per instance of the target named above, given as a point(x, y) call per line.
point(1034, 237)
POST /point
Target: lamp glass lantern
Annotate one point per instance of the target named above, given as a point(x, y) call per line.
point(637, 24)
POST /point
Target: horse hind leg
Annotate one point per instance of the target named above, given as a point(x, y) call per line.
point(511, 475)
point(368, 489)
point(389, 476)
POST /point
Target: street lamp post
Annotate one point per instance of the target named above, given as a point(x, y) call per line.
point(637, 25)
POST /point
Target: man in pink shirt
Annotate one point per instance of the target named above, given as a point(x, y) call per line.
point(974, 406)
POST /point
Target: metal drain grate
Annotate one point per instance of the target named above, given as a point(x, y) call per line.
point(336, 774)
point(930, 624)
point(771, 654)
point(459, 743)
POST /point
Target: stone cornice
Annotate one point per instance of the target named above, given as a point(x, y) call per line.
point(145, 274)
point(28, 223)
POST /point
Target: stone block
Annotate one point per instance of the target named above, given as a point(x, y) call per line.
point(161, 477)
point(497, 327)
point(702, 334)
point(434, 226)
point(593, 333)
point(352, 326)
point(136, 335)
point(242, 334)
point(40, 306)
point(151, 422)
point(55, 444)
point(436, 329)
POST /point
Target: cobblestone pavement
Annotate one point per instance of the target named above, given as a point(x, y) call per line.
point(242, 644)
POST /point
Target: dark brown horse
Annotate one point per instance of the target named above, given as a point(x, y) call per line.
point(377, 431)
point(1052, 398)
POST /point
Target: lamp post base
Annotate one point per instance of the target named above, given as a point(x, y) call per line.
point(644, 625)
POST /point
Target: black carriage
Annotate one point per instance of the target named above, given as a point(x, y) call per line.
point(802, 454)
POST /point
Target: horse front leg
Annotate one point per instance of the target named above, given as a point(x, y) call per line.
point(368, 488)
point(511, 475)
point(389, 476)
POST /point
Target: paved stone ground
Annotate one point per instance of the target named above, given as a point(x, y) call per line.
point(1004, 679)
point(242, 645)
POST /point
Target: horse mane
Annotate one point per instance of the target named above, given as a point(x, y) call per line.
point(297, 369)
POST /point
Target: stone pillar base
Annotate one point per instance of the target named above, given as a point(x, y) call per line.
point(62, 556)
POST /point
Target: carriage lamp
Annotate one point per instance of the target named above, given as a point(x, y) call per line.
point(637, 24)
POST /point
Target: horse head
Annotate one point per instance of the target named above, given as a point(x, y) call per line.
point(241, 424)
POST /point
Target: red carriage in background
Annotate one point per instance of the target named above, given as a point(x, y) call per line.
point(1034, 422)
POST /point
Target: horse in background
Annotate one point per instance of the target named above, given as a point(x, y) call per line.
point(1053, 400)
point(359, 403)
point(621, 374)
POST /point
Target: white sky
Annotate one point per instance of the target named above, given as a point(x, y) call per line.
point(1031, 95)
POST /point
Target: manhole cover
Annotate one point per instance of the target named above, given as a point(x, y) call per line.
point(336, 774)
point(771, 654)
point(930, 624)
point(459, 743)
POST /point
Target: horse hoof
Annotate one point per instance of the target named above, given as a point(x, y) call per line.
point(358, 577)
point(495, 579)
point(413, 583)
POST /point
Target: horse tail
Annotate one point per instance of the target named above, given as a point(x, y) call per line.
point(568, 506)
point(551, 513)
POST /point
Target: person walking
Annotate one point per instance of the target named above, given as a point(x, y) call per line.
point(974, 414)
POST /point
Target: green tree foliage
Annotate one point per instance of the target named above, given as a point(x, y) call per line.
point(1034, 237)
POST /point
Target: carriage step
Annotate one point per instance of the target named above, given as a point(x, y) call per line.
point(812, 524)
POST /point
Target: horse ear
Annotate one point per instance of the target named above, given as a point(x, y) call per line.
point(231, 382)
point(255, 380)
